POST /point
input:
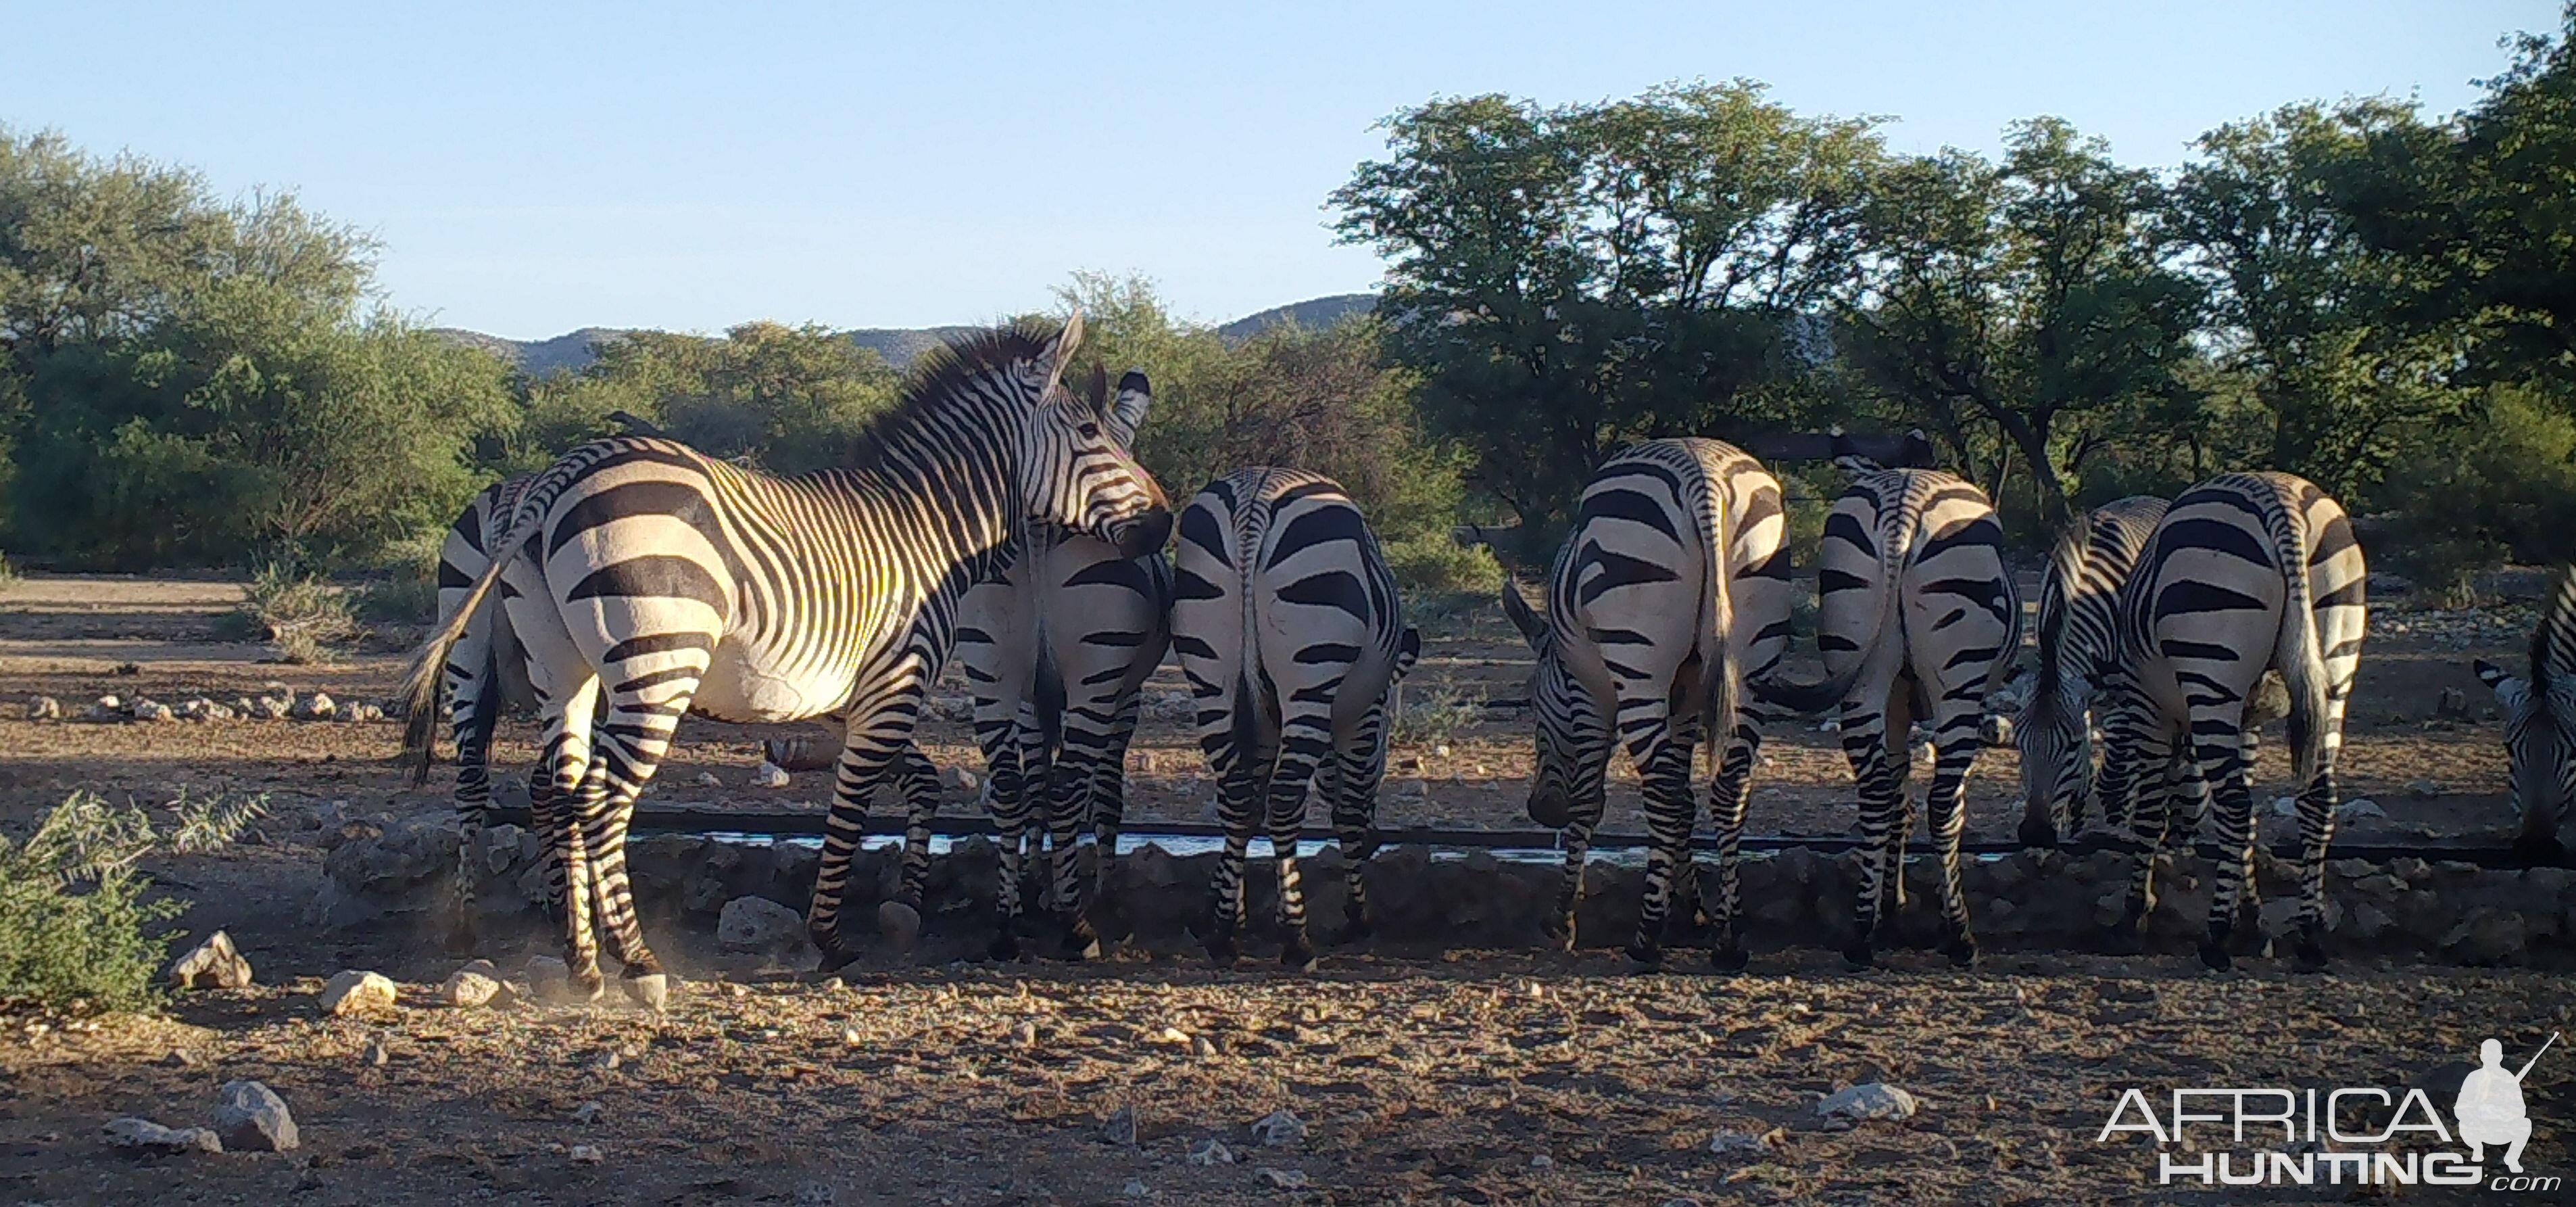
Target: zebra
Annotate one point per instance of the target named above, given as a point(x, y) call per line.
point(1289, 631)
point(1672, 586)
point(2246, 572)
point(679, 581)
point(2540, 726)
point(1917, 618)
point(2079, 592)
point(1057, 651)
point(485, 670)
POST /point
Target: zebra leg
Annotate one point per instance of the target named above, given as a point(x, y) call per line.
point(1727, 800)
point(570, 799)
point(1006, 800)
point(878, 738)
point(1069, 783)
point(1291, 778)
point(1240, 769)
point(471, 717)
point(2221, 756)
point(1663, 758)
point(1867, 736)
point(2314, 740)
point(1956, 743)
point(2149, 816)
point(1109, 795)
point(1353, 778)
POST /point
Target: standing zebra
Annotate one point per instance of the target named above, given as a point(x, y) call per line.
point(2079, 598)
point(2540, 726)
point(1671, 588)
point(1057, 651)
point(1288, 628)
point(679, 581)
point(2246, 572)
point(1917, 618)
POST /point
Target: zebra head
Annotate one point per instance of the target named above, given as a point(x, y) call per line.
point(1075, 471)
point(2056, 745)
point(1573, 732)
point(2539, 745)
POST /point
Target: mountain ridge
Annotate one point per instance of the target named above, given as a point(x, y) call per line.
point(574, 350)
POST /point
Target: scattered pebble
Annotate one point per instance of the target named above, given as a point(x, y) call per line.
point(769, 775)
point(1137, 1189)
point(1745, 1144)
point(315, 707)
point(957, 779)
point(1283, 1179)
point(469, 987)
point(707, 779)
point(1120, 1127)
point(587, 1113)
point(1211, 1151)
point(815, 1194)
point(376, 1056)
point(585, 1154)
point(131, 1132)
point(252, 1118)
point(1279, 1129)
point(1025, 1034)
point(2360, 808)
point(44, 708)
point(1869, 1100)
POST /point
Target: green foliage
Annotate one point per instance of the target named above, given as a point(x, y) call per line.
point(303, 616)
point(2476, 493)
point(1433, 717)
point(1433, 564)
point(787, 399)
point(1566, 281)
point(74, 910)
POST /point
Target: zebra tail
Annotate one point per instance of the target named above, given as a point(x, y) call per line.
point(2302, 663)
point(1895, 536)
point(428, 671)
point(1723, 688)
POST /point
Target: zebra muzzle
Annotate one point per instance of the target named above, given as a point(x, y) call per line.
point(1145, 533)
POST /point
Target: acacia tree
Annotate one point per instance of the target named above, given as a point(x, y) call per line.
point(1568, 280)
point(2019, 304)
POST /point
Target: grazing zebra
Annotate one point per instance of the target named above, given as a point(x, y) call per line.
point(1671, 588)
point(678, 581)
point(1917, 619)
point(2079, 596)
point(1057, 651)
point(2540, 726)
point(1288, 628)
point(2246, 572)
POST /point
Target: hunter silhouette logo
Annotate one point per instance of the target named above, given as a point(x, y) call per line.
point(2489, 1107)
point(2354, 1135)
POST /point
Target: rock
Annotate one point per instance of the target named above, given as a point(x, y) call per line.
point(2453, 704)
point(44, 708)
point(1744, 1144)
point(1995, 729)
point(2285, 806)
point(1279, 1129)
point(469, 987)
point(251, 1118)
point(1869, 1100)
point(376, 1056)
point(152, 711)
point(1120, 1127)
point(707, 779)
point(1025, 1034)
point(2426, 789)
point(130, 1132)
point(212, 964)
point(315, 707)
point(758, 924)
point(1440, 751)
point(1282, 1179)
point(270, 708)
point(549, 978)
point(1211, 1151)
point(1137, 1189)
point(587, 1113)
point(2360, 808)
point(899, 923)
point(356, 992)
point(360, 714)
point(770, 775)
point(1202, 1047)
point(585, 1154)
point(1414, 788)
point(815, 1194)
point(957, 779)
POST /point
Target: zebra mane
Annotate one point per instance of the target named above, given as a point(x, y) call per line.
point(939, 376)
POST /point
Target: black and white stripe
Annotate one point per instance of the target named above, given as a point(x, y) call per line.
point(1056, 651)
point(681, 583)
point(1672, 586)
point(2246, 572)
point(1917, 621)
point(1288, 628)
point(484, 672)
point(2540, 726)
point(2074, 689)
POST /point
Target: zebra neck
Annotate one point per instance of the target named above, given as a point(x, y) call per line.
point(948, 486)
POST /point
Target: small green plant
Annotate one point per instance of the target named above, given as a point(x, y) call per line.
point(73, 913)
point(398, 601)
point(1434, 564)
point(1434, 717)
point(8, 573)
point(302, 616)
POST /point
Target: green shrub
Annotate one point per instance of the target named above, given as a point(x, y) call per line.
point(301, 615)
point(1433, 717)
point(2503, 486)
point(1434, 564)
point(73, 913)
point(8, 573)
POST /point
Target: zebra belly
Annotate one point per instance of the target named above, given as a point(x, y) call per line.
point(741, 688)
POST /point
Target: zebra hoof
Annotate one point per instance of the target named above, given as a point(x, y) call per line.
point(1352, 933)
point(2038, 833)
point(2124, 940)
point(1962, 952)
point(1728, 958)
point(2310, 955)
point(652, 991)
point(1560, 931)
point(2213, 956)
point(900, 924)
point(1861, 954)
point(1080, 941)
point(1221, 949)
point(1005, 946)
point(1297, 957)
point(1647, 957)
point(459, 942)
point(582, 988)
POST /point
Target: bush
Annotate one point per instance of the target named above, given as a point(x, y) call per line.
point(2502, 487)
point(301, 615)
point(1435, 717)
point(1434, 564)
point(72, 907)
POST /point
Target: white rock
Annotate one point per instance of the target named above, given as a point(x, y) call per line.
point(585, 1154)
point(770, 775)
point(1137, 1189)
point(2285, 806)
point(315, 707)
point(467, 988)
point(1282, 1179)
point(130, 1132)
point(2360, 808)
point(758, 924)
point(354, 992)
point(1440, 751)
point(149, 711)
point(251, 1118)
point(707, 779)
point(1279, 1129)
point(212, 964)
point(1742, 1144)
point(1869, 1100)
point(957, 779)
point(270, 708)
point(44, 708)
point(1211, 1151)
point(587, 1113)
point(376, 1055)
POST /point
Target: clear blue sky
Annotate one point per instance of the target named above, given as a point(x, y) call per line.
point(539, 167)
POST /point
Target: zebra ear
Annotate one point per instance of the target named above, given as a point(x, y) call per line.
point(1059, 351)
point(1533, 627)
point(1127, 407)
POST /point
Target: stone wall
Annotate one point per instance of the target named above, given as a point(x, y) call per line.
point(2407, 910)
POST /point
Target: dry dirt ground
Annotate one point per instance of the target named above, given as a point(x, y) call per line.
point(1485, 1077)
